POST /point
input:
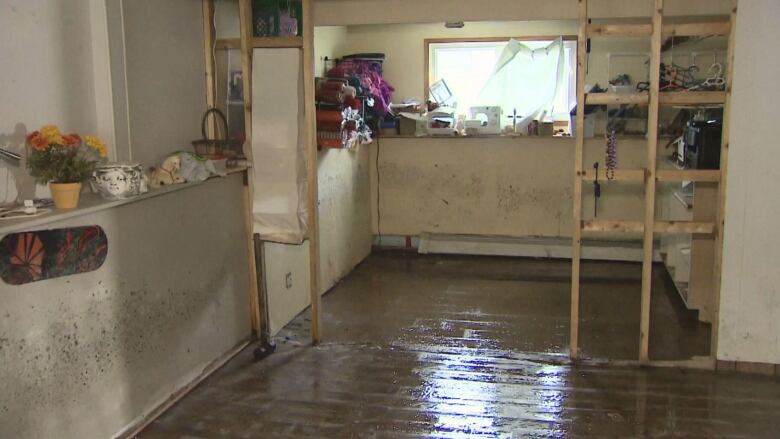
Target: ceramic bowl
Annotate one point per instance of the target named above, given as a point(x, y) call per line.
point(119, 180)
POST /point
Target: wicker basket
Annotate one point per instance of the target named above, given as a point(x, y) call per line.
point(216, 148)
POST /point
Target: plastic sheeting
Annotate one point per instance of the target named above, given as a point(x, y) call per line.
point(526, 79)
point(278, 146)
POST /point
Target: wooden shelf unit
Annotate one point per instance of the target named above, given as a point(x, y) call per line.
point(649, 176)
point(665, 98)
point(639, 30)
point(665, 175)
point(277, 42)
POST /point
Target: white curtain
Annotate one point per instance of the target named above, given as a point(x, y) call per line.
point(526, 80)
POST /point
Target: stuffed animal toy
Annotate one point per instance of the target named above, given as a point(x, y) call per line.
point(167, 173)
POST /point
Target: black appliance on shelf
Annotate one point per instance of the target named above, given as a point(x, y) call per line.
point(701, 140)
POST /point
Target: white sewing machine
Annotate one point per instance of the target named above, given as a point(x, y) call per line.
point(487, 120)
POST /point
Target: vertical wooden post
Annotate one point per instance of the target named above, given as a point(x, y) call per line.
point(208, 52)
point(245, 16)
point(576, 242)
point(720, 211)
point(650, 182)
point(311, 143)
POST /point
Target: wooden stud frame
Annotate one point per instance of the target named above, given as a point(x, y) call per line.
point(311, 143)
point(579, 153)
point(208, 50)
point(652, 151)
point(247, 43)
point(245, 17)
point(650, 175)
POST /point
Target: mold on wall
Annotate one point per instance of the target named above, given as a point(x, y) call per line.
point(88, 354)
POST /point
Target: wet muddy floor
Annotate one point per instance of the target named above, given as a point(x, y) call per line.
point(461, 347)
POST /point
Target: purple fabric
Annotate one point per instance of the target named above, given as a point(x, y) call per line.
point(370, 74)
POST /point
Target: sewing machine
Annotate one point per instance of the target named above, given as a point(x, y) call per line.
point(487, 119)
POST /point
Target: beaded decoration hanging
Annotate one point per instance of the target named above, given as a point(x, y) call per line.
point(611, 159)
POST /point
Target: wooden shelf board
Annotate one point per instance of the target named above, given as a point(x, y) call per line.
point(620, 30)
point(701, 175)
point(620, 175)
point(684, 227)
point(277, 42)
point(666, 98)
point(228, 43)
point(697, 29)
point(669, 98)
point(692, 29)
point(613, 226)
point(639, 227)
point(610, 98)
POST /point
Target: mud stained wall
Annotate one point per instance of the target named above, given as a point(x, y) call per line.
point(493, 186)
point(344, 209)
point(85, 355)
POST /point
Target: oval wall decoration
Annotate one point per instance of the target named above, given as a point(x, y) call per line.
point(47, 254)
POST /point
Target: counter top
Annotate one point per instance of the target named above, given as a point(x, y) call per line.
point(90, 203)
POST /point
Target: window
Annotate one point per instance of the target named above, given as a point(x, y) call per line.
point(467, 66)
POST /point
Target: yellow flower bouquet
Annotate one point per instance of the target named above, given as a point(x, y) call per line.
point(63, 159)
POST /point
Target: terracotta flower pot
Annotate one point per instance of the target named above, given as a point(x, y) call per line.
point(65, 195)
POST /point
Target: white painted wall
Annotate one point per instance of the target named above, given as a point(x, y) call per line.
point(54, 71)
point(83, 356)
point(750, 293)
point(165, 73)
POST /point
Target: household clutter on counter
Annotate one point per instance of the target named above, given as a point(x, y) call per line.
point(352, 100)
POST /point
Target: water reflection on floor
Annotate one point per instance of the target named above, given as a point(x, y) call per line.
point(462, 348)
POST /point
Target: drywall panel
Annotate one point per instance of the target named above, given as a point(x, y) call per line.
point(750, 293)
point(347, 12)
point(493, 186)
point(165, 74)
point(47, 78)
point(85, 355)
point(286, 282)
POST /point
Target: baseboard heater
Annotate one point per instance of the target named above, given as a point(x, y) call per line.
point(532, 247)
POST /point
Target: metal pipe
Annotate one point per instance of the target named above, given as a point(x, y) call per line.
point(10, 155)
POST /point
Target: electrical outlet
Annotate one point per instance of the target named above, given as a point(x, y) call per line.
point(288, 281)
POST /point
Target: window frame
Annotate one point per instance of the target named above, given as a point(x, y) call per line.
point(429, 42)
